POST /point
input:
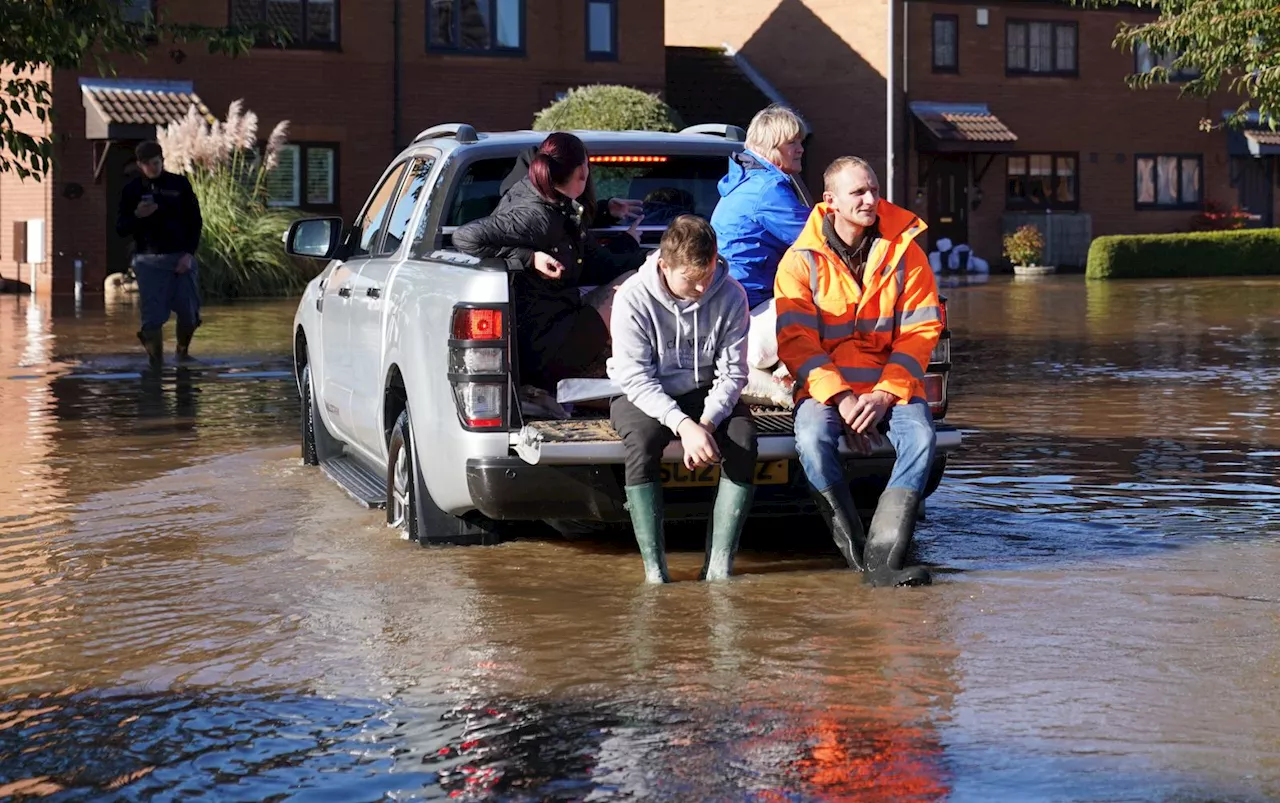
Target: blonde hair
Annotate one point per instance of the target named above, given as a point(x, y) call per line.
point(689, 246)
point(839, 166)
point(773, 127)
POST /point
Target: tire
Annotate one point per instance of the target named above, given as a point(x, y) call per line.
point(411, 510)
point(310, 455)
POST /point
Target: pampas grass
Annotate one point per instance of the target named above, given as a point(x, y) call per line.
point(241, 251)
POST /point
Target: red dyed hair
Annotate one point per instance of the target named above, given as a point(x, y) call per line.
point(557, 158)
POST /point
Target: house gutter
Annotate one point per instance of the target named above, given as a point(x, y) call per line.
point(396, 77)
point(891, 96)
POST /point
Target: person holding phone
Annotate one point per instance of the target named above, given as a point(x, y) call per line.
point(160, 211)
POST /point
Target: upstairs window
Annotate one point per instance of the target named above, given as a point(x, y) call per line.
point(602, 30)
point(946, 48)
point(476, 26)
point(310, 23)
point(1040, 48)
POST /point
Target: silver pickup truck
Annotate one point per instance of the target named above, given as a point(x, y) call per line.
point(407, 370)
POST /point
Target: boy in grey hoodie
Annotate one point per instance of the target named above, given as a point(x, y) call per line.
point(679, 330)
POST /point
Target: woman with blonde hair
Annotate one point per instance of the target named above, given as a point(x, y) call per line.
point(759, 216)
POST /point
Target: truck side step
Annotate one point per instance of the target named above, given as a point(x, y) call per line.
point(360, 483)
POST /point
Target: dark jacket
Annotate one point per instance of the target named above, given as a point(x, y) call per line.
point(524, 223)
point(174, 228)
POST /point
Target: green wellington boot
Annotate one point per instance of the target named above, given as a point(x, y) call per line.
point(645, 504)
point(153, 341)
point(724, 528)
point(892, 528)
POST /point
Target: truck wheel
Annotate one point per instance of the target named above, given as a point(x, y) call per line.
point(409, 505)
point(310, 456)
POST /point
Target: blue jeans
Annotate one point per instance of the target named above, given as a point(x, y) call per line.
point(161, 291)
point(910, 430)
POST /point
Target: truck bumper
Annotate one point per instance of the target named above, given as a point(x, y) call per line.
point(509, 489)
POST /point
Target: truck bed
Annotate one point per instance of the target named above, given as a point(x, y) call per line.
point(585, 441)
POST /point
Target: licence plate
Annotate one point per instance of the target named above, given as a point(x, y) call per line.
point(675, 475)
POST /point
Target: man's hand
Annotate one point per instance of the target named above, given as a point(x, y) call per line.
point(184, 264)
point(699, 447)
point(847, 406)
point(625, 208)
point(146, 209)
point(869, 410)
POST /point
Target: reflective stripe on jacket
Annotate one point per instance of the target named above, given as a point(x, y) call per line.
point(856, 339)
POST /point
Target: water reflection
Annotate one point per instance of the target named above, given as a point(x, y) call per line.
point(185, 610)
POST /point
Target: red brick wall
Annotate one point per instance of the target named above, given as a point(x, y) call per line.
point(1095, 115)
point(23, 200)
point(346, 97)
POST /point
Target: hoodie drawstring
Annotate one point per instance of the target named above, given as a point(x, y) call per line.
point(697, 378)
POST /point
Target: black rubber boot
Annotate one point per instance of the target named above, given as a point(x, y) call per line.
point(892, 528)
point(838, 510)
point(153, 341)
point(724, 528)
point(645, 505)
point(184, 334)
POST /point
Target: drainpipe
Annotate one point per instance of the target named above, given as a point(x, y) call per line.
point(397, 68)
point(891, 90)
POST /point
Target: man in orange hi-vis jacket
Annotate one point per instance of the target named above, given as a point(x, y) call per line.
point(858, 317)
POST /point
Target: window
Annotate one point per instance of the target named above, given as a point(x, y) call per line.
point(1147, 60)
point(364, 234)
point(1040, 48)
point(476, 26)
point(305, 176)
point(310, 23)
point(602, 30)
point(136, 11)
point(406, 202)
point(1168, 181)
point(946, 47)
point(1042, 181)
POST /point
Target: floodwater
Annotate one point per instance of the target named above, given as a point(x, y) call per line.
point(187, 611)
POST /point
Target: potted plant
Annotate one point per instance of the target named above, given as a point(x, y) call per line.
point(1024, 248)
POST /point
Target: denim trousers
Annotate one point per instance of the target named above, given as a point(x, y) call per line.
point(909, 428)
point(161, 291)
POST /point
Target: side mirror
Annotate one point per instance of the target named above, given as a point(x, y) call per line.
point(314, 238)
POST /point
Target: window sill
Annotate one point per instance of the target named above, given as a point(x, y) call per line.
point(473, 54)
point(1031, 74)
point(1040, 210)
point(945, 70)
point(1195, 207)
point(262, 47)
point(602, 57)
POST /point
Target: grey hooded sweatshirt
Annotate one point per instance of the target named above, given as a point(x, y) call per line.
point(665, 347)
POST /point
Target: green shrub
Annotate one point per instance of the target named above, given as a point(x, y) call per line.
point(608, 108)
point(1211, 253)
point(241, 252)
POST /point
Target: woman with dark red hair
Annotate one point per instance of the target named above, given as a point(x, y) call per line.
point(539, 228)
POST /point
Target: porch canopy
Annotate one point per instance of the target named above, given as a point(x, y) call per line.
point(124, 110)
point(1255, 138)
point(960, 128)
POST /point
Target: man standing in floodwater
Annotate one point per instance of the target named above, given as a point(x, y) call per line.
point(159, 210)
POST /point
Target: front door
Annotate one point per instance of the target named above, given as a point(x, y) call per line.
point(1253, 181)
point(948, 198)
point(119, 170)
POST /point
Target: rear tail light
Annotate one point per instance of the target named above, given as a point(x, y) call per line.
point(941, 352)
point(478, 367)
point(935, 393)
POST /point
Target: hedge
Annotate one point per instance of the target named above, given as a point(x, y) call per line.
point(608, 108)
point(1209, 253)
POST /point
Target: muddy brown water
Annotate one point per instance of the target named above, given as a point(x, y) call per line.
point(186, 611)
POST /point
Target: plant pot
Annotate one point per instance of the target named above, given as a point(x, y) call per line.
point(1033, 270)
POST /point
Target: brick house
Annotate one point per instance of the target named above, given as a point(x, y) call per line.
point(353, 90)
point(1010, 112)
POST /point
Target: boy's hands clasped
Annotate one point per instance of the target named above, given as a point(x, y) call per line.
point(699, 444)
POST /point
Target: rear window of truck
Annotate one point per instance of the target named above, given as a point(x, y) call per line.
point(668, 185)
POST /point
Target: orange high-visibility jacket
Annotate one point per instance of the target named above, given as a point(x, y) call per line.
point(877, 338)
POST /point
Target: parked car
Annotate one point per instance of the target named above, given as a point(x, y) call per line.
point(408, 374)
